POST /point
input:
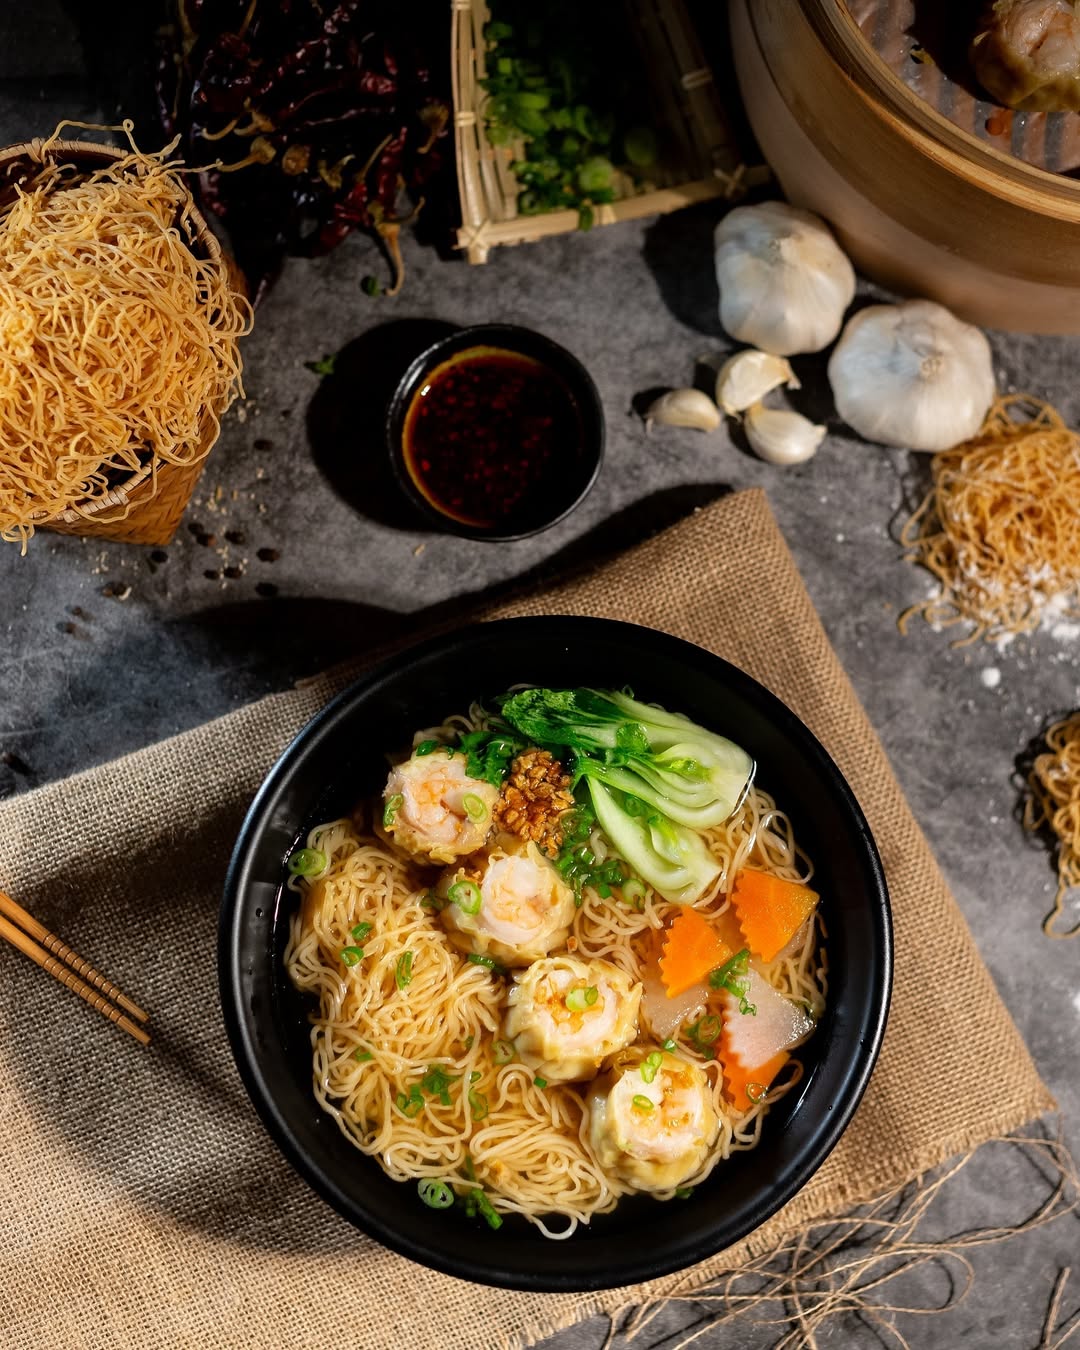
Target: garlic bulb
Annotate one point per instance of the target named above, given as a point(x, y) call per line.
point(781, 436)
point(746, 378)
point(912, 375)
point(784, 283)
point(684, 408)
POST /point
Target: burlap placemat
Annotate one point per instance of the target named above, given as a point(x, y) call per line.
point(141, 1202)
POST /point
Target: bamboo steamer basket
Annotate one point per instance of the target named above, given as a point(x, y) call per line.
point(919, 203)
point(146, 507)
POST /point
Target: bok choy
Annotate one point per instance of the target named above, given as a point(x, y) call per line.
point(654, 777)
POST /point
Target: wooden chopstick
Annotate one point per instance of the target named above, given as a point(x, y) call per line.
point(58, 960)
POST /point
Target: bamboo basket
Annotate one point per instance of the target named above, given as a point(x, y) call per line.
point(147, 506)
point(685, 96)
point(924, 205)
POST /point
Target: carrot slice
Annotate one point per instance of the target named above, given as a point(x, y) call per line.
point(692, 949)
point(771, 910)
point(745, 1087)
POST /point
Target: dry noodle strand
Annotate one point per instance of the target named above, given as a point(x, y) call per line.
point(118, 342)
point(1055, 801)
point(1000, 526)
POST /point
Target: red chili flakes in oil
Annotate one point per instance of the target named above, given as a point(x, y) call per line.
point(487, 433)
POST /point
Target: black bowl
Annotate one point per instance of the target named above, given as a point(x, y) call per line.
point(560, 490)
point(339, 757)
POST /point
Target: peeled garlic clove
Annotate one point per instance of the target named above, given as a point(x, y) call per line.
point(912, 375)
point(781, 436)
point(746, 378)
point(684, 408)
point(784, 282)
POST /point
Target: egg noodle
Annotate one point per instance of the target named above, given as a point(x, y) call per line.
point(118, 333)
point(1000, 526)
point(416, 1003)
point(1054, 782)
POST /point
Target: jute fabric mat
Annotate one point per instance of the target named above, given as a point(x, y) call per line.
point(141, 1202)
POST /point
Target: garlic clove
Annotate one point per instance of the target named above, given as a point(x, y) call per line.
point(780, 436)
point(684, 408)
point(912, 375)
point(784, 281)
point(746, 377)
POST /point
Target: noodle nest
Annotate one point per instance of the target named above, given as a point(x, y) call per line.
point(1055, 802)
point(381, 1039)
point(1000, 525)
point(118, 334)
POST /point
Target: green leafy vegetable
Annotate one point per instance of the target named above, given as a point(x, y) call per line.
point(490, 752)
point(427, 747)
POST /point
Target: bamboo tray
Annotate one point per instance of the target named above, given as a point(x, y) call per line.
point(684, 93)
point(145, 507)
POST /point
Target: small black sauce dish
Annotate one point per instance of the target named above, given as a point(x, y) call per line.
point(495, 432)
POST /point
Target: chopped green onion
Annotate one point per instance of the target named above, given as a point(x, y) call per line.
point(403, 970)
point(503, 1051)
point(577, 1000)
point(683, 1192)
point(475, 1076)
point(669, 1045)
point(487, 1209)
point(633, 892)
point(434, 1193)
point(539, 1082)
point(352, 956)
point(475, 807)
point(466, 895)
point(704, 1034)
point(470, 1171)
point(370, 285)
point(650, 1065)
point(360, 931)
point(433, 902)
point(757, 1092)
point(362, 1056)
point(436, 1083)
point(411, 1105)
point(469, 1042)
point(391, 809)
point(426, 747)
point(478, 1104)
point(307, 862)
point(731, 976)
point(488, 961)
point(643, 1103)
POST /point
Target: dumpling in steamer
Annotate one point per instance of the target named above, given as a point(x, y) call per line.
point(567, 1015)
point(653, 1134)
point(434, 810)
point(514, 906)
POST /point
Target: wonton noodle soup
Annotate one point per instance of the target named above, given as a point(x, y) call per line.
point(498, 1025)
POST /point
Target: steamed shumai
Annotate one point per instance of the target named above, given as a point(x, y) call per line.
point(652, 1134)
point(525, 906)
point(436, 812)
point(563, 1043)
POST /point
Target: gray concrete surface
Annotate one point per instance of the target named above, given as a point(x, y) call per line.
point(207, 625)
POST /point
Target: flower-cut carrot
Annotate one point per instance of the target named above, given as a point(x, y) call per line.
point(692, 949)
point(746, 1087)
point(771, 910)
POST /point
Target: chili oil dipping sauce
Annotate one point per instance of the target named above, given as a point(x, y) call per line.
point(496, 432)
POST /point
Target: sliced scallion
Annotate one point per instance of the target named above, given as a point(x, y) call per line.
point(307, 862)
point(487, 1209)
point(478, 1104)
point(390, 810)
point(539, 1082)
point(475, 807)
point(669, 1045)
point(757, 1092)
point(352, 956)
point(412, 1104)
point(643, 1103)
point(434, 1193)
point(488, 961)
point(403, 970)
point(362, 1056)
point(360, 931)
point(466, 895)
point(503, 1051)
point(683, 1192)
point(426, 747)
point(577, 1000)
point(650, 1066)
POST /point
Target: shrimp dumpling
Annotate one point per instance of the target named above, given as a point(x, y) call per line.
point(566, 1015)
point(653, 1126)
point(434, 810)
point(507, 902)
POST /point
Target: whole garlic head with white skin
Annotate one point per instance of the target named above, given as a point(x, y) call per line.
point(784, 281)
point(566, 1015)
point(912, 375)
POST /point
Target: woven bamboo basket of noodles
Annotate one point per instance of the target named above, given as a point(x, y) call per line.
point(700, 160)
point(145, 505)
